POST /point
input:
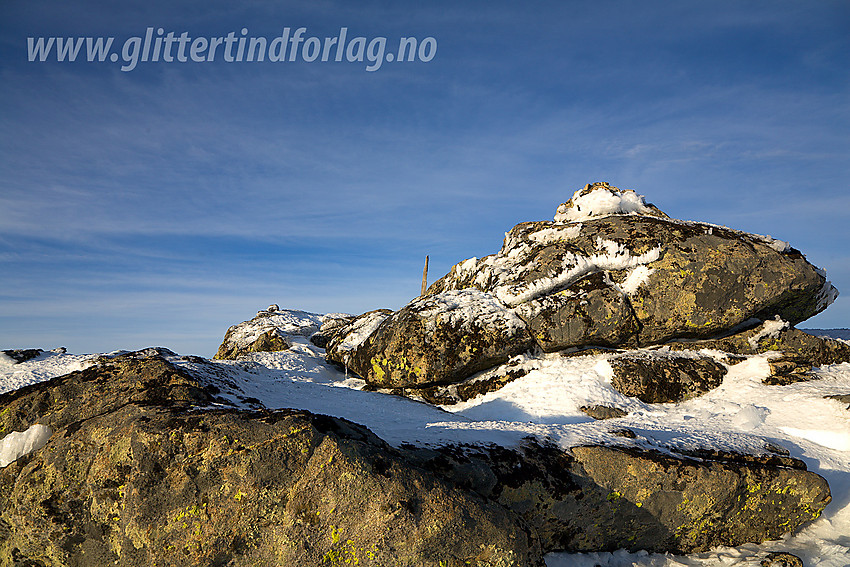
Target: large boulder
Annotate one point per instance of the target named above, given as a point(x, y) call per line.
point(131, 475)
point(678, 279)
point(610, 271)
point(436, 339)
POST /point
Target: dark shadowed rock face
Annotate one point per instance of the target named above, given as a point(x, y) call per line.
point(436, 339)
point(606, 498)
point(137, 477)
point(781, 559)
point(450, 394)
point(655, 377)
point(592, 311)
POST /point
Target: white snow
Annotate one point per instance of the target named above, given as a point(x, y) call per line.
point(838, 440)
point(45, 366)
point(17, 444)
point(612, 256)
point(511, 274)
point(637, 276)
point(465, 267)
point(828, 294)
point(557, 234)
point(775, 243)
point(463, 309)
point(770, 329)
point(742, 414)
point(601, 202)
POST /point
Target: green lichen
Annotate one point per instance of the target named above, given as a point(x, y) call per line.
point(346, 552)
point(383, 368)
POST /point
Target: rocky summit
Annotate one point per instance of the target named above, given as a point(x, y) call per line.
point(299, 444)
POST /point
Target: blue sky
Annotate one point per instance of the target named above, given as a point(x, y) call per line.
point(161, 205)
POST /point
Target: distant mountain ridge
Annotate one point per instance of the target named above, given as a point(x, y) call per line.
point(840, 333)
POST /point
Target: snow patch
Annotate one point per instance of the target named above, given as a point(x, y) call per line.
point(17, 444)
point(45, 366)
point(464, 269)
point(770, 329)
point(548, 236)
point(838, 440)
point(464, 309)
point(602, 202)
point(749, 417)
point(779, 245)
point(637, 276)
point(361, 330)
point(828, 294)
point(613, 256)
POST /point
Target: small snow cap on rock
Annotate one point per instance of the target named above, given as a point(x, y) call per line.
point(17, 444)
point(274, 307)
point(600, 199)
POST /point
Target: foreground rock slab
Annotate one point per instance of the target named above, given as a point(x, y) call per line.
point(140, 469)
point(140, 477)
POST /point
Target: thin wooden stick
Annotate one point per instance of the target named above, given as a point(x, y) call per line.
point(425, 277)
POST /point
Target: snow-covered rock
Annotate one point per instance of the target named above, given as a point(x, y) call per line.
point(435, 339)
point(601, 199)
point(271, 330)
point(19, 443)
